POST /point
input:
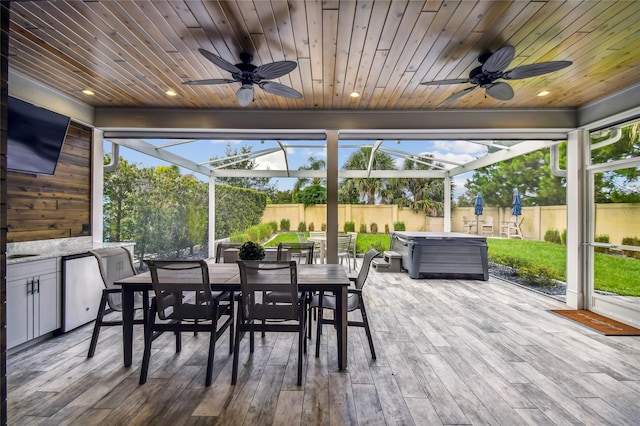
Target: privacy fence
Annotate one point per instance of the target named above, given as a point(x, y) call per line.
point(614, 220)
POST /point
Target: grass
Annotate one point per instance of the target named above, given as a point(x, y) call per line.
point(615, 274)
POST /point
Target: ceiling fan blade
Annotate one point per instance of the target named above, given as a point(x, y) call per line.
point(452, 81)
point(275, 69)
point(218, 61)
point(209, 81)
point(532, 70)
point(500, 60)
point(501, 91)
point(280, 89)
point(457, 95)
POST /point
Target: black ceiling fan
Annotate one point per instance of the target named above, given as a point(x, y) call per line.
point(248, 74)
point(493, 68)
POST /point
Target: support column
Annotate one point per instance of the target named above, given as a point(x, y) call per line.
point(212, 216)
point(577, 215)
point(447, 204)
point(332, 196)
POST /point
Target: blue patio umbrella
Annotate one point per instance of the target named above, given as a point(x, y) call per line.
point(516, 209)
point(478, 209)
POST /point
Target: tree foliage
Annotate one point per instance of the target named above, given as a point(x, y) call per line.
point(312, 195)
point(314, 164)
point(368, 189)
point(240, 160)
point(424, 195)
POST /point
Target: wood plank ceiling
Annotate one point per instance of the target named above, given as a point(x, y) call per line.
point(130, 52)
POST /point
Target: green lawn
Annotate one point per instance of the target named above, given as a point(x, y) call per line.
point(616, 274)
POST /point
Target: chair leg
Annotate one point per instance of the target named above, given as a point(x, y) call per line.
point(97, 325)
point(366, 327)
point(178, 341)
point(236, 350)
point(148, 338)
point(231, 326)
point(212, 353)
point(319, 331)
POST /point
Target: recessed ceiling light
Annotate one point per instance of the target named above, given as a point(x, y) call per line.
point(543, 93)
point(354, 94)
point(171, 92)
point(88, 92)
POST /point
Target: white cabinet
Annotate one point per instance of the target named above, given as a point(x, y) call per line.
point(33, 300)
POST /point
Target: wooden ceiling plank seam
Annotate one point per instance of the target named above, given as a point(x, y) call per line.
point(304, 65)
point(393, 71)
point(70, 75)
point(318, 97)
point(130, 56)
point(215, 41)
point(391, 24)
point(329, 47)
point(376, 21)
point(316, 39)
point(284, 25)
point(184, 13)
point(234, 20)
point(577, 18)
point(375, 98)
point(346, 14)
point(82, 67)
point(446, 30)
point(298, 16)
point(432, 5)
point(356, 49)
point(367, 95)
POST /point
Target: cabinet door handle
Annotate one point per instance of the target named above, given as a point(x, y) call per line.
point(30, 286)
point(37, 281)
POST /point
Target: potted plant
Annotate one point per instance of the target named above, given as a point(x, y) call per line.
point(251, 251)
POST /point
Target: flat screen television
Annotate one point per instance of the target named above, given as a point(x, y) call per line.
point(34, 137)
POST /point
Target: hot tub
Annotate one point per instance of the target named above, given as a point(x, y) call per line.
point(442, 254)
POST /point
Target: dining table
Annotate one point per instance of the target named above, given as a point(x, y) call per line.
point(226, 277)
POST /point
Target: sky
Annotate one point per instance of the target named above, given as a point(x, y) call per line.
point(201, 151)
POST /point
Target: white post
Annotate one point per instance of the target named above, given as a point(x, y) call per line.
point(212, 215)
point(577, 215)
point(332, 196)
point(447, 204)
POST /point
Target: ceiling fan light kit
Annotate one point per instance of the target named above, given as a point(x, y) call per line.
point(492, 68)
point(248, 74)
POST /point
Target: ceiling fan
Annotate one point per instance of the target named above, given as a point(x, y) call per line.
point(248, 74)
point(493, 68)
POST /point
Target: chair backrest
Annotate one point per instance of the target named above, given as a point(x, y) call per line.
point(354, 238)
point(366, 264)
point(115, 263)
point(488, 221)
point(257, 278)
point(344, 244)
point(313, 234)
point(301, 250)
point(221, 247)
point(177, 285)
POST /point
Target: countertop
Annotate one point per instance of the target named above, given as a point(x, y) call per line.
point(39, 250)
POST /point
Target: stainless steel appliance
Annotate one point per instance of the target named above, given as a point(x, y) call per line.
point(81, 290)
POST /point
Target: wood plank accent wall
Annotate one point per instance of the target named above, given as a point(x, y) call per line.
point(42, 207)
point(4, 90)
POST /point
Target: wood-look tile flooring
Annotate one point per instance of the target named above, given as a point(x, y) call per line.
point(450, 352)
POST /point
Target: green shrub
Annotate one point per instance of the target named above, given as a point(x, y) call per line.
point(265, 231)
point(512, 262)
point(323, 227)
point(274, 226)
point(378, 246)
point(251, 251)
point(399, 226)
point(350, 226)
point(237, 209)
point(363, 228)
point(285, 225)
point(311, 227)
point(253, 233)
point(631, 241)
point(552, 236)
point(540, 275)
point(373, 228)
point(604, 238)
point(386, 228)
point(302, 227)
point(237, 237)
point(563, 237)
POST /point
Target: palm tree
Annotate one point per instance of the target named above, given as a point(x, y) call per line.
point(420, 194)
point(367, 188)
point(314, 164)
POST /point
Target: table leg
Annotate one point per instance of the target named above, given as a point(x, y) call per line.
point(127, 325)
point(323, 249)
point(341, 332)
